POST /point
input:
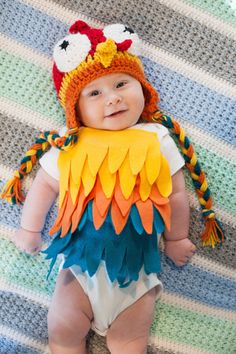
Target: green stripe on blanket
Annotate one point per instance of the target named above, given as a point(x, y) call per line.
point(198, 330)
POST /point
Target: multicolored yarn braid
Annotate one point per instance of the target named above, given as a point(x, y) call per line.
point(213, 233)
point(12, 190)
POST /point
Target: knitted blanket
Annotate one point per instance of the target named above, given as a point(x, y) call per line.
point(189, 51)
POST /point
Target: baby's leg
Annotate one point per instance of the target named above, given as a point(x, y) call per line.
point(69, 317)
point(129, 332)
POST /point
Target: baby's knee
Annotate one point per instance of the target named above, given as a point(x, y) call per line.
point(63, 330)
point(116, 344)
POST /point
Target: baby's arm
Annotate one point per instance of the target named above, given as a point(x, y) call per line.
point(177, 245)
point(40, 198)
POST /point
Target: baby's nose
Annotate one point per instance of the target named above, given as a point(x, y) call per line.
point(113, 99)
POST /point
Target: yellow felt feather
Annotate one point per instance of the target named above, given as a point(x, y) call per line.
point(77, 164)
point(137, 156)
point(88, 179)
point(164, 183)
point(153, 163)
point(74, 188)
point(107, 179)
point(145, 187)
point(116, 157)
point(127, 178)
point(64, 167)
point(95, 161)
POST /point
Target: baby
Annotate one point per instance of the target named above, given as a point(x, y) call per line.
point(120, 184)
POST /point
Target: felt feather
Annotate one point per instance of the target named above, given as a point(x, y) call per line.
point(116, 157)
point(107, 179)
point(164, 179)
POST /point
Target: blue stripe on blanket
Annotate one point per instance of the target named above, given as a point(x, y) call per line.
point(199, 285)
point(10, 346)
point(20, 313)
point(182, 97)
point(10, 215)
point(39, 33)
point(193, 102)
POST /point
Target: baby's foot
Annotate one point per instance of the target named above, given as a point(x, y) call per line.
point(180, 251)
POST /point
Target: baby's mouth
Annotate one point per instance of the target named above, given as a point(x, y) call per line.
point(115, 114)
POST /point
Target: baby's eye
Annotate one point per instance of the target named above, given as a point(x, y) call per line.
point(121, 84)
point(94, 93)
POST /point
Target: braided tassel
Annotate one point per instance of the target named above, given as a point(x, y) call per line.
point(12, 191)
point(213, 233)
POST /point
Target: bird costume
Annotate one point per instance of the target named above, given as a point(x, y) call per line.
point(114, 188)
point(114, 185)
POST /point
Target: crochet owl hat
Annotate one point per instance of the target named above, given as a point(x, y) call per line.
point(87, 54)
point(83, 56)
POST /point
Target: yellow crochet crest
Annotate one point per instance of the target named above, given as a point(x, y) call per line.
point(129, 155)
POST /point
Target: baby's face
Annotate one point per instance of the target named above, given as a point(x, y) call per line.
point(111, 102)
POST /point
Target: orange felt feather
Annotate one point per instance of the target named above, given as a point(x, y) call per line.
point(98, 219)
point(81, 204)
point(123, 204)
point(165, 213)
point(118, 219)
point(101, 201)
point(156, 197)
point(67, 217)
point(57, 224)
point(145, 210)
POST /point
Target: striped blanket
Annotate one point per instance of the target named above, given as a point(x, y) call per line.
point(189, 51)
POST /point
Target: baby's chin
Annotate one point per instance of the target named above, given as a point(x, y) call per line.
point(120, 127)
point(117, 125)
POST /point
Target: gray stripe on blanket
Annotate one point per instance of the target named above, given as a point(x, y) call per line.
point(163, 27)
point(26, 317)
point(224, 253)
point(16, 139)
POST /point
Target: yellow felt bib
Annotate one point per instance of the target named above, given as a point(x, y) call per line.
point(117, 168)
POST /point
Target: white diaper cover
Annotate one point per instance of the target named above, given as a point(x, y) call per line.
point(107, 299)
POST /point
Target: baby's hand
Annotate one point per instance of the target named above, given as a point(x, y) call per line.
point(27, 241)
point(180, 251)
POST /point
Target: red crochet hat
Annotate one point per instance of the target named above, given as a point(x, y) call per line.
point(88, 53)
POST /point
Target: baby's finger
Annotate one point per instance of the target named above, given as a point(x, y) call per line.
point(34, 251)
point(181, 262)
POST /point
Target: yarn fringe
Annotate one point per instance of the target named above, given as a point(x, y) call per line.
point(12, 192)
point(213, 233)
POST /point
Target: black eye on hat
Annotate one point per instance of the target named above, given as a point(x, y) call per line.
point(64, 44)
point(128, 29)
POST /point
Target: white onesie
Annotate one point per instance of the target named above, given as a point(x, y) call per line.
point(108, 299)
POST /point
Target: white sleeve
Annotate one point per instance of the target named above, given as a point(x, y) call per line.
point(49, 160)
point(172, 154)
